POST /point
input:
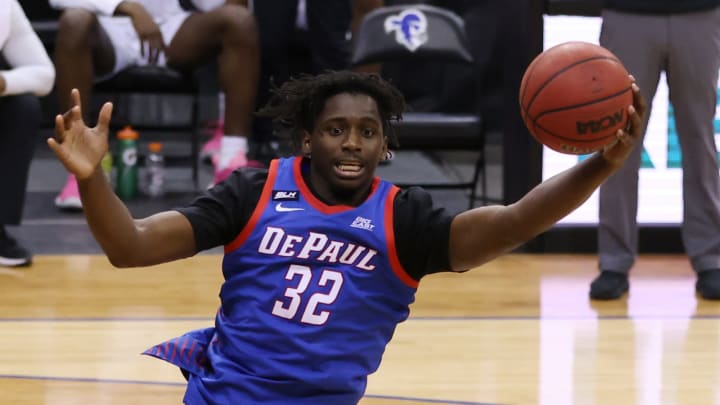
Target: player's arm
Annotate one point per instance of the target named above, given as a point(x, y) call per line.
point(127, 242)
point(481, 234)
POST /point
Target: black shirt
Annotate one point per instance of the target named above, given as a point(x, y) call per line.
point(422, 231)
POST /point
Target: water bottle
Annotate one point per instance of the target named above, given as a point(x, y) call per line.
point(127, 171)
point(155, 170)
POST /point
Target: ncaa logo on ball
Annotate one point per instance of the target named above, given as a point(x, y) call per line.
point(601, 124)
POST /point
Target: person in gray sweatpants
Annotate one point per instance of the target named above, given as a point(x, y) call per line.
point(681, 38)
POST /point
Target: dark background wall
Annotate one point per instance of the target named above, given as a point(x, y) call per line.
point(505, 36)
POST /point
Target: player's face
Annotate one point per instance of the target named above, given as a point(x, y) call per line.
point(345, 146)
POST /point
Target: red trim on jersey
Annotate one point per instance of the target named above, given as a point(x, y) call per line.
point(397, 267)
point(259, 208)
point(314, 201)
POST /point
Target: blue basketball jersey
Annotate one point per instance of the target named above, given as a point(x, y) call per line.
point(311, 297)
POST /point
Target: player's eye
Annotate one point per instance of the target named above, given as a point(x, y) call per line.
point(333, 130)
point(368, 132)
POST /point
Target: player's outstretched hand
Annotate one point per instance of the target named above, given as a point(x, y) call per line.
point(79, 148)
point(617, 152)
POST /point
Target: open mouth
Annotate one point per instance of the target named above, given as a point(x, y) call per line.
point(348, 168)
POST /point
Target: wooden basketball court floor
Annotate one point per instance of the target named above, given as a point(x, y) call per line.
point(520, 330)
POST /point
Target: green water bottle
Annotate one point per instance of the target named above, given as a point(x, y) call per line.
point(126, 183)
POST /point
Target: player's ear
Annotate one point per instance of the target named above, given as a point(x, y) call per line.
point(384, 149)
point(306, 144)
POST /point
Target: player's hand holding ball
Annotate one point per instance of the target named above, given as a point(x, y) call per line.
point(617, 151)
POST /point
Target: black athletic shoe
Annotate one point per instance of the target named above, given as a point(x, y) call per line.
point(12, 254)
point(609, 285)
point(708, 284)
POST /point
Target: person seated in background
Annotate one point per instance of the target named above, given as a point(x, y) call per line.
point(296, 37)
point(26, 72)
point(98, 38)
point(320, 30)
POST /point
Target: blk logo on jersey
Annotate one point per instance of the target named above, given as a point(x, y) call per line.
point(362, 223)
point(410, 27)
point(285, 195)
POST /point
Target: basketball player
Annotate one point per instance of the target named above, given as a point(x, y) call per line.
point(98, 38)
point(322, 258)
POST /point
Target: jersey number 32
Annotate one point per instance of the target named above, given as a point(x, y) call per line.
point(310, 313)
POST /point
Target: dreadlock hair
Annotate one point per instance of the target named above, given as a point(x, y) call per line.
point(297, 104)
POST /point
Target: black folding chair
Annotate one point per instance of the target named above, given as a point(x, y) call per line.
point(422, 33)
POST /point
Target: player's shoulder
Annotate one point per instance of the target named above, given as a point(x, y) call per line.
point(413, 195)
point(413, 202)
point(416, 203)
point(240, 184)
point(249, 176)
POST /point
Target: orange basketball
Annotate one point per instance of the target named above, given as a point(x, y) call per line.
point(574, 97)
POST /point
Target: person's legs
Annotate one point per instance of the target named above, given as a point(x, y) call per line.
point(276, 32)
point(228, 33)
point(693, 94)
point(637, 41)
point(82, 52)
point(19, 123)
